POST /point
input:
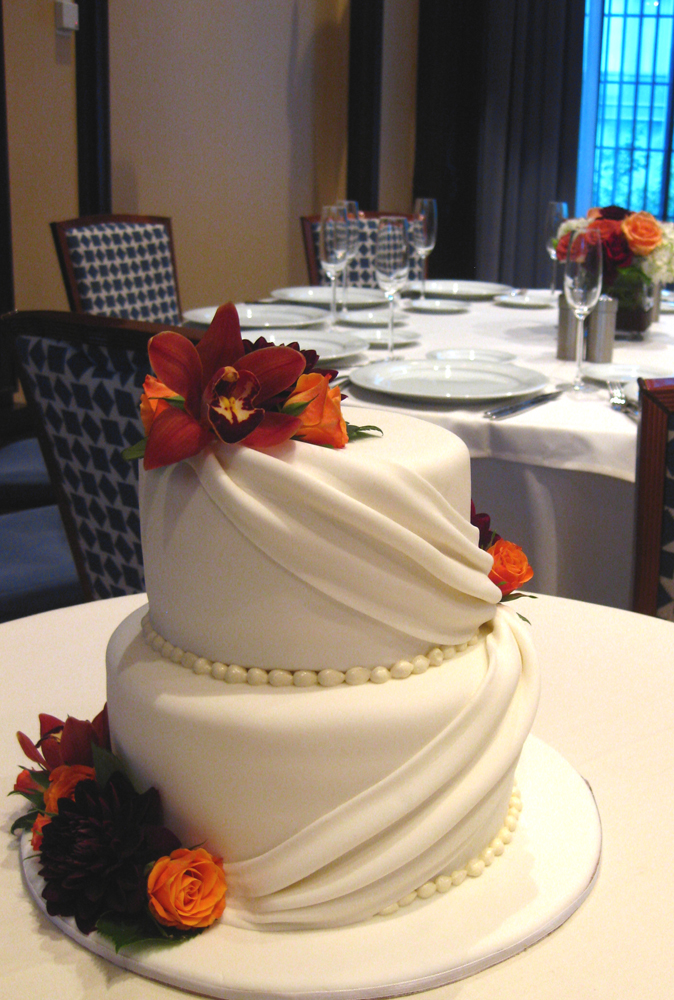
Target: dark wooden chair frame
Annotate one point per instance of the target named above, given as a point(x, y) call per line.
point(75, 328)
point(60, 233)
point(657, 404)
point(306, 223)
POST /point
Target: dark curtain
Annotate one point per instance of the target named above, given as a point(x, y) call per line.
point(93, 109)
point(498, 111)
point(7, 374)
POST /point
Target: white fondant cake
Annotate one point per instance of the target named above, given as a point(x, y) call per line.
point(327, 804)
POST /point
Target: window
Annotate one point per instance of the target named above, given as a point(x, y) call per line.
point(625, 149)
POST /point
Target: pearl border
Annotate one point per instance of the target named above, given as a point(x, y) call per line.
point(474, 868)
point(257, 676)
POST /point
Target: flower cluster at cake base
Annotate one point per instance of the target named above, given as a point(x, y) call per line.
point(227, 389)
point(106, 859)
point(511, 567)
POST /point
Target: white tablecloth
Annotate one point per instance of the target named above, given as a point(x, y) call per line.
point(559, 478)
point(608, 690)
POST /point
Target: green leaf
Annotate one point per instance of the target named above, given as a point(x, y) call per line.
point(136, 450)
point(36, 799)
point(105, 764)
point(366, 430)
point(137, 931)
point(295, 409)
point(523, 618)
point(25, 822)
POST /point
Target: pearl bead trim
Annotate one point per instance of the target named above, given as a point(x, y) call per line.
point(255, 676)
point(474, 868)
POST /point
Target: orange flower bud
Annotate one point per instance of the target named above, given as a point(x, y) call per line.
point(511, 567)
point(40, 822)
point(62, 782)
point(322, 421)
point(187, 889)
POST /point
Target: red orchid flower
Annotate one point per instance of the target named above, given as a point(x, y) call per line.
point(218, 389)
point(66, 742)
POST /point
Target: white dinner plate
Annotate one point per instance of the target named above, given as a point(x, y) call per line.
point(470, 354)
point(449, 289)
point(456, 381)
point(330, 345)
point(527, 298)
point(260, 316)
point(667, 305)
point(436, 306)
point(321, 295)
point(622, 373)
point(401, 338)
point(377, 318)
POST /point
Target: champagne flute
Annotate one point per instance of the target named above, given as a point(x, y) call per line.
point(333, 242)
point(353, 239)
point(557, 213)
point(424, 230)
point(582, 286)
point(391, 262)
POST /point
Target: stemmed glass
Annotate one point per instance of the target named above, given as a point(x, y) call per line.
point(391, 262)
point(353, 239)
point(333, 243)
point(582, 285)
point(557, 212)
point(424, 230)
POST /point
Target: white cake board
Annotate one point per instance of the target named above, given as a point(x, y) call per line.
point(544, 874)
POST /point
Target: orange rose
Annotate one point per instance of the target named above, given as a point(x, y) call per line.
point(511, 567)
point(594, 213)
point(187, 889)
point(606, 227)
point(62, 781)
point(642, 232)
point(321, 421)
point(154, 400)
point(40, 822)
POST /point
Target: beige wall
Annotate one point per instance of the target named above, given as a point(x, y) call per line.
point(41, 126)
point(231, 118)
point(398, 105)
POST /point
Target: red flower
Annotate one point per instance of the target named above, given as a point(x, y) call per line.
point(222, 390)
point(26, 784)
point(66, 742)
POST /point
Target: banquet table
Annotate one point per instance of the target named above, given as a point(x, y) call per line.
point(558, 479)
point(606, 706)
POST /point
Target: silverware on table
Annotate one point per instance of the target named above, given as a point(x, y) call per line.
point(509, 409)
point(619, 401)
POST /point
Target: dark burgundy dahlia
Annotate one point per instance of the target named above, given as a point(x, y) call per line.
point(94, 852)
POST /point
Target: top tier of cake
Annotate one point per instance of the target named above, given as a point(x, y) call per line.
point(302, 557)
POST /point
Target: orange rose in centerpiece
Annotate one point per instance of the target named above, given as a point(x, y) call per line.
point(321, 421)
point(36, 830)
point(62, 782)
point(642, 232)
point(511, 567)
point(187, 889)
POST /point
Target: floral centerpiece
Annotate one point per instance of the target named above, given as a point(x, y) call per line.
point(638, 252)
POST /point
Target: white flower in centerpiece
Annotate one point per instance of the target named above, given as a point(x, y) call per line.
point(659, 265)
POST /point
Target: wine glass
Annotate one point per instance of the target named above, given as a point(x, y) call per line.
point(424, 230)
point(333, 242)
point(391, 262)
point(582, 285)
point(556, 213)
point(353, 239)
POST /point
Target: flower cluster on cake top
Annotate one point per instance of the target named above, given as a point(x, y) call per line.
point(224, 388)
point(511, 568)
point(105, 857)
point(637, 249)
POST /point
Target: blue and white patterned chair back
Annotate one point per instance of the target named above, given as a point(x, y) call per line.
point(123, 269)
point(361, 269)
point(88, 395)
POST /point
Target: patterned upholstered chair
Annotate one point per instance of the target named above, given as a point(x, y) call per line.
point(654, 556)
point(119, 265)
point(82, 376)
point(361, 268)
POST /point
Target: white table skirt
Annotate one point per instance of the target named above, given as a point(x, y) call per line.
point(559, 478)
point(608, 690)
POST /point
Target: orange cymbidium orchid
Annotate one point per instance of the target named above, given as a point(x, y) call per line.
point(214, 387)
